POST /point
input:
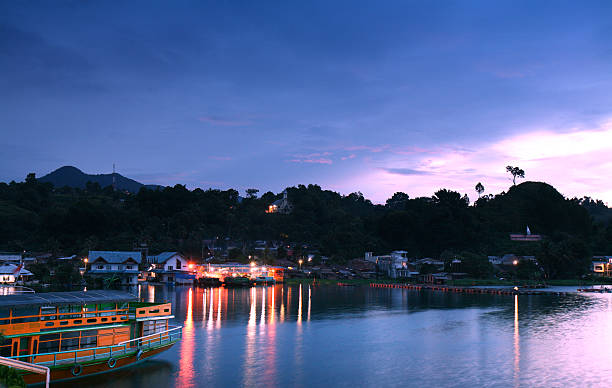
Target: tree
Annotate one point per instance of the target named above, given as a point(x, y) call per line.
point(398, 200)
point(516, 172)
point(479, 189)
point(252, 193)
point(31, 178)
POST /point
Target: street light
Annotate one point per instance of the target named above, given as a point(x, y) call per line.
point(300, 261)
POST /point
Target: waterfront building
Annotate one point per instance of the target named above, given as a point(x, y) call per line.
point(170, 268)
point(221, 271)
point(120, 264)
point(602, 265)
point(12, 273)
point(394, 265)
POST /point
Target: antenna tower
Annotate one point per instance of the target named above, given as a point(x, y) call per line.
point(114, 179)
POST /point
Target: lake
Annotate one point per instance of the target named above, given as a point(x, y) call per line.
point(304, 335)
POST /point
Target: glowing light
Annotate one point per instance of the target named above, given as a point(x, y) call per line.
point(253, 264)
point(190, 266)
point(515, 262)
point(299, 317)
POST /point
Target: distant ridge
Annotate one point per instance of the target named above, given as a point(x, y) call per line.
point(73, 177)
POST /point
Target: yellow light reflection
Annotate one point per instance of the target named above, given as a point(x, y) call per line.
point(219, 309)
point(299, 317)
point(187, 347)
point(211, 311)
point(251, 334)
point(262, 321)
point(272, 306)
point(309, 294)
point(517, 351)
point(204, 305)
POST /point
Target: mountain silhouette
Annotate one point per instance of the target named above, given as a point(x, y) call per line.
point(73, 177)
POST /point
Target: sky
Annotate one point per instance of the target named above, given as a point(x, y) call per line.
point(376, 97)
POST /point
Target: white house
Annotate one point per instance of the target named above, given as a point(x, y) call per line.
point(123, 265)
point(169, 267)
point(10, 273)
point(394, 265)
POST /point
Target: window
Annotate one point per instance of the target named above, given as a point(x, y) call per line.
point(128, 267)
point(64, 311)
point(30, 313)
point(5, 348)
point(4, 313)
point(100, 266)
point(109, 267)
point(48, 343)
point(120, 267)
point(89, 338)
point(48, 310)
point(70, 340)
point(152, 327)
point(178, 263)
point(169, 268)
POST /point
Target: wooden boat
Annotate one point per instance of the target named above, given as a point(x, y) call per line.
point(237, 281)
point(78, 334)
point(265, 280)
point(209, 282)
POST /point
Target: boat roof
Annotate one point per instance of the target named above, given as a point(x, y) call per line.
point(63, 298)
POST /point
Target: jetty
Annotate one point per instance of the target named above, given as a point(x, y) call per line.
point(468, 290)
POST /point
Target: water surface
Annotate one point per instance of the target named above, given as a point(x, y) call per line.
point(302, 336)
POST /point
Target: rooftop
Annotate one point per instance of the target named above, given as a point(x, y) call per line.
point(115, 257)
point(63, 298)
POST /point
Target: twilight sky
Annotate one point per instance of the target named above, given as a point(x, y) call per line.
point(376, 97)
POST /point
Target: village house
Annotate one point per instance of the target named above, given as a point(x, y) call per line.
point(123, 265)
point(170, 268)
point(12, 273)
point(394, 265)
point(12, 258)
point(282, 206)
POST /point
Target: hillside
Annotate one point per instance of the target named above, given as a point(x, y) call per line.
point(36, 217)
point(73, 177)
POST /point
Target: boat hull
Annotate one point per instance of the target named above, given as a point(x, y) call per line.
point(64, 371)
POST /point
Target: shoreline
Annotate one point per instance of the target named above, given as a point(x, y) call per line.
point(460, 282)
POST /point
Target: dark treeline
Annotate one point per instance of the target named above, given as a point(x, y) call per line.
point(35, 216)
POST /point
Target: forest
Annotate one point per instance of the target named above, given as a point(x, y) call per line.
point(38, 217)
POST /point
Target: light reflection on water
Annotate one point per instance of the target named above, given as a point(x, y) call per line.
point(358, 336)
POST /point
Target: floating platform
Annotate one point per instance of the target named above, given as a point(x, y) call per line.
point(468, 290)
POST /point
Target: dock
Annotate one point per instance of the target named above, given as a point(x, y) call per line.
point(467, 290)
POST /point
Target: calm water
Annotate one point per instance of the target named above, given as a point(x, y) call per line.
point(358, 336)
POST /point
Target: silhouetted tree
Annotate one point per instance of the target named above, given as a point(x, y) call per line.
point(516, 173)
point(398, 200)
point(252, 193)
point(479, 189)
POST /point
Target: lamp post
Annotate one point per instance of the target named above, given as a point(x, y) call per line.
point(300, 261)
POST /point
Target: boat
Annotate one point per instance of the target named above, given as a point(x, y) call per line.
point(77, 334)
point(265, 280)
point(599, 290)
point(208, 282)
point(237, 281)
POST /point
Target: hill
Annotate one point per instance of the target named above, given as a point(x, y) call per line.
point(73, 177)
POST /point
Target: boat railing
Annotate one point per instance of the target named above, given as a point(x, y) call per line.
point(29, 367)
point(103, 352)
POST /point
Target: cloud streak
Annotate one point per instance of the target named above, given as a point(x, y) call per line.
point(223, 122)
